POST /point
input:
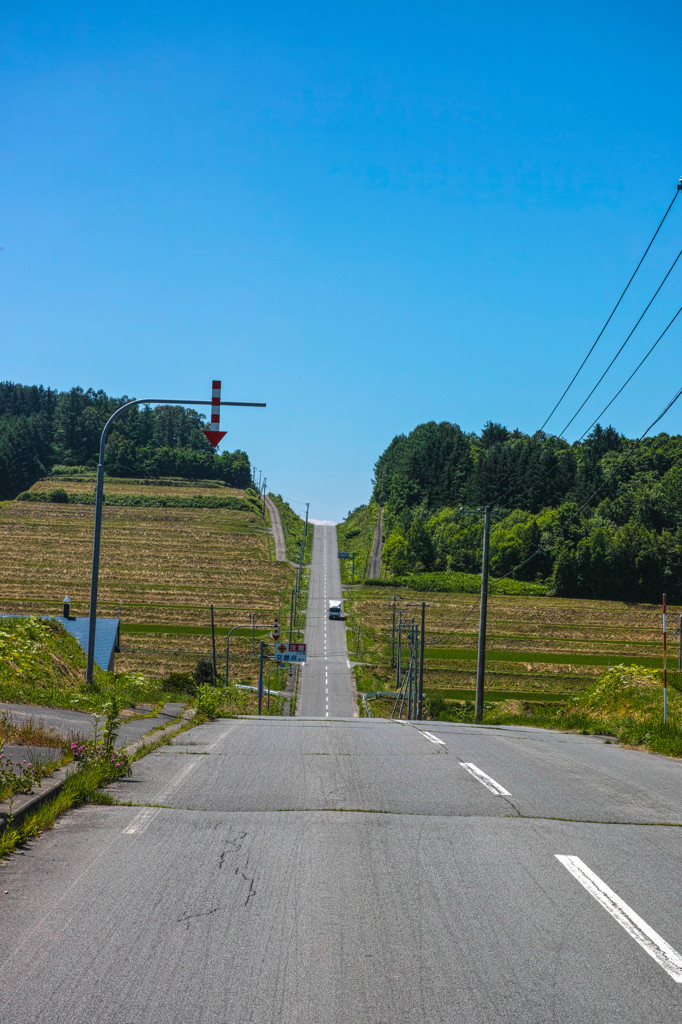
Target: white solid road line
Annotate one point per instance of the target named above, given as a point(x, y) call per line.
point(489, 783)
point(141, 820)
point(145, 817)
point(430, 736)
point(664, 955)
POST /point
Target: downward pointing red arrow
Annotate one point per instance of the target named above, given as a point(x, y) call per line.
point(215, 436)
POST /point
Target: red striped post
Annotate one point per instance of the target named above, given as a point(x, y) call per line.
point(215, 434)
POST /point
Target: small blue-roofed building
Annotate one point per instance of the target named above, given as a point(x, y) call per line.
point(107, 635)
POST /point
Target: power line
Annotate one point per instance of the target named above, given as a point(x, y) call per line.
point(637, 368)
point(552, 472)
point(646, 309)
point(601, 487)
point(610, 316)
point(437, 640)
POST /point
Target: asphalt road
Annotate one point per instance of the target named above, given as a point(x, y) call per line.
point(325, 686)
point(313, 871)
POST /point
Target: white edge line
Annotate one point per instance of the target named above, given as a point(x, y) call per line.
point(489, 783)
point(650, 941)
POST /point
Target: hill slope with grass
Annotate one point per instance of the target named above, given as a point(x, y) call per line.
point(163, 565)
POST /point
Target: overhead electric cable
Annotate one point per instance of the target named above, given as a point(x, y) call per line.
point(601, 487)
point(636, 369)
point(646, 309)
point(620, 299)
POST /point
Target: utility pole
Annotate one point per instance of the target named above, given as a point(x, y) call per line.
point(264, 485)
point(395, 598)
point(305, 527)
point(291, 615)
point(410, 676)
point(679, 656)
point(480, 665)
point(419, 661)
point(213, 664)
point(421, 666)
point(398, 660)
point(665, 662)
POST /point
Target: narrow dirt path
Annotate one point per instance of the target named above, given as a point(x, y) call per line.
point(374, 568)
point(276, 530)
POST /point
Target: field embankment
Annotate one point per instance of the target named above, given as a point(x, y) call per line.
point(163, 564)
point(539, 649)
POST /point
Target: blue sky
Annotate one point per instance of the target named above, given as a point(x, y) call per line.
point(365, 215)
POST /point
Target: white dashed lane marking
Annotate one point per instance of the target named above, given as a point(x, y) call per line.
point(489, 783)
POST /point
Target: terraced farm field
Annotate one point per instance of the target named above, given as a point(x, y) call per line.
point(161, 569)
point(539, 648)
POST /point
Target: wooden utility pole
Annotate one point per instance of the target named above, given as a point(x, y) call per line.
point(480, 665)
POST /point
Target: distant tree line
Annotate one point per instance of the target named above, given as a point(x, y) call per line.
point(41, 427)
point(599, 518)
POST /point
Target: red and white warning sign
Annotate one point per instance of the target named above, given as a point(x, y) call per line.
point(215, 434)
point(290, 652)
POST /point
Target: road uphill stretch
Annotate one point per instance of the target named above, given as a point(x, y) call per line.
point(336, 870)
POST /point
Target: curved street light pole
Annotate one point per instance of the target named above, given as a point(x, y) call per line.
point(99, 495)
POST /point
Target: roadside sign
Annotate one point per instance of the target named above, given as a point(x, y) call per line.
point(290, 652)
point(344, 554)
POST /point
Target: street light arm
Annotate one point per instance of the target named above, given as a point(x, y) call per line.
point(99, 494)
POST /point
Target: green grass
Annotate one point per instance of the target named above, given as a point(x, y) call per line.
point(147, 500)
point(497, 695)
point(625, 702)
point(159, 627)
point(540, 657)
point(461, 583)
point(75, 790)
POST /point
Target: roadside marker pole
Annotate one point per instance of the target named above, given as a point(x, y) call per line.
point(215, 434)
point(260, 681)
point(665, 664)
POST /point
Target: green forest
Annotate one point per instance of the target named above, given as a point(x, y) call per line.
point(599, 518)
point(41, 428)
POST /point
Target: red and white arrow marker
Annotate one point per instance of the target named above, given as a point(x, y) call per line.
point(215, 434)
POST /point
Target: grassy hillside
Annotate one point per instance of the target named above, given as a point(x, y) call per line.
point(161, 569)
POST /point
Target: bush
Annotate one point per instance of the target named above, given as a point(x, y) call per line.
point(208, 700)
point(203, 672)
point(59, 495)
point(436, 707)
point(180, 682)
